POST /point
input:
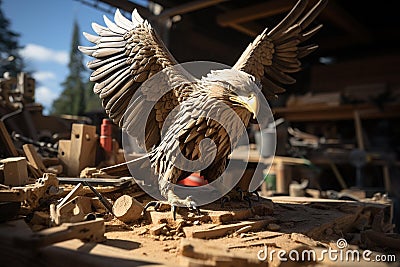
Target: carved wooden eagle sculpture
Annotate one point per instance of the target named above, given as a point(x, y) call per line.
point(128, 53)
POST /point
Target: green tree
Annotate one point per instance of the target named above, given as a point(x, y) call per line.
point(93, 102)
point(10, 60)
point(73, 97)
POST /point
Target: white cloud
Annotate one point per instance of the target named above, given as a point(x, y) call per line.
point(44, 54)
point(43, 76)
point(45, 96)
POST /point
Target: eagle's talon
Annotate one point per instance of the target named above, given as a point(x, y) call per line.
point(225, 199)
point(155, 204)
point(255, 192)
point(247, 198)
point(174, 210)
point(196, 210)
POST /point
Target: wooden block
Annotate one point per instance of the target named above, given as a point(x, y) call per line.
point(50, 161)
point(13, 195)
point(83, 148)
point(15, 171)
point(158, 229)
point(33, 157)
point(127, 209)
point(56, 169)
point(223, 230)
point(237, 211)
point(43, 188)
point(158, 217)
point(40, 218)
point(97, 206)
point(73, 211)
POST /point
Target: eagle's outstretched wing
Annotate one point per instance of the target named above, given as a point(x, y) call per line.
point(128, 52)
point(275, 53)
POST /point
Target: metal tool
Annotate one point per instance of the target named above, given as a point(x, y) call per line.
point(102, 199)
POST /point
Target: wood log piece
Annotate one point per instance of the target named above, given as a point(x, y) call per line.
point(127, 209)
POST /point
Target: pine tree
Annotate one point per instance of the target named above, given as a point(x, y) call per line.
point(93, 102)
point(10, 60)
point(73, 98)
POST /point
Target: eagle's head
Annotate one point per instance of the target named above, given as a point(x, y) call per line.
point(237, 87)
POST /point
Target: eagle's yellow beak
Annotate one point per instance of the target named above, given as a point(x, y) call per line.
point(250, 102)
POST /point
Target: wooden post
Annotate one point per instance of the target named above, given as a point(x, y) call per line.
point(281, 179)
point(359, 133)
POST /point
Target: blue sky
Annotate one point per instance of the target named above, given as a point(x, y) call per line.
point(45, 27)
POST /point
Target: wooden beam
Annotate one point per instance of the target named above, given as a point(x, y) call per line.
point(186, 8)
point(267, 9)
point(339, 17)
point(250, 28)
point(128, 6)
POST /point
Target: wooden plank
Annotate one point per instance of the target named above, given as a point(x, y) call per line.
point(343, 112)
point(6, 141)
point(89, 230)
point(223, 230)
point(186, 8)
point(64, 254)
point(206, 253)
point(13, 195)
point(257, 11)
point(363, 74)
point(250, 28)
point(34, 158)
